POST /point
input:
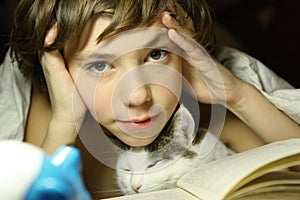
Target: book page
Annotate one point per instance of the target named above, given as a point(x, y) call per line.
point(214, 180)
point(170, 194)
point(275, 165)
point(286, 180)
point(278, 192)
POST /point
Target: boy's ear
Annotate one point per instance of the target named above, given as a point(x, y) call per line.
point(51, 35)
point(177, 18)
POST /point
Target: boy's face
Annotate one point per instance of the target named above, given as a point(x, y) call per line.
point(131, 82)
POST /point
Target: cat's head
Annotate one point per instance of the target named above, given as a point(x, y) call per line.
point(158, 165)
point(142, 171)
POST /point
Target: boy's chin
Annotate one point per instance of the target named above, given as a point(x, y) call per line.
point(137, 142)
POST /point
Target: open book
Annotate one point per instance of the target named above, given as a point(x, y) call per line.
point(254, 174)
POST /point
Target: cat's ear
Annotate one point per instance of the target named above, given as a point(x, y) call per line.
point(184, 122)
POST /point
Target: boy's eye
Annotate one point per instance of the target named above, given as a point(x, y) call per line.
point(99, 67)
point(156, 55)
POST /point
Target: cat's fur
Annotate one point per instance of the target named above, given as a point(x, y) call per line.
point(175, 152)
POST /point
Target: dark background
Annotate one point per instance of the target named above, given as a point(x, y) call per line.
point(7, 8)
point(266, 29)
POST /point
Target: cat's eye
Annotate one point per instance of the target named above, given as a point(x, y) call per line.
point(153, 164)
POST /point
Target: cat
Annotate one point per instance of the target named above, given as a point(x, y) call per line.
point(175, 152)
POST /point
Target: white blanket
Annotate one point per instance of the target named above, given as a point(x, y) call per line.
point(15, 93)
point(283, 95)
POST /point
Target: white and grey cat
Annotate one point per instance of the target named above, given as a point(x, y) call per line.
point(177, 151)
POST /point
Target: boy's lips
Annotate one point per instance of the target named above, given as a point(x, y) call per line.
point(143, 123)
point(137, 124)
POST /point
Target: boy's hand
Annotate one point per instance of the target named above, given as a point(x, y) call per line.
point(64, 97)
point(211, 81)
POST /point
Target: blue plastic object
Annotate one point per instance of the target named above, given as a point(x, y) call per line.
point(59, 178)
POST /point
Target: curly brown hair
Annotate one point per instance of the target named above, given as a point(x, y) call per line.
point(33, 18)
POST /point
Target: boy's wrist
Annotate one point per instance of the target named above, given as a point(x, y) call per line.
point(246, 93)
point(59, 133)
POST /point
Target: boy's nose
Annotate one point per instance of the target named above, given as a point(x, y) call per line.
point(140, 96)
point(135, 84)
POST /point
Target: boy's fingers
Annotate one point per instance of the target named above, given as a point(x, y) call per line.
point(180, 41)
point(52, 62)
point(177, 18)
point(184, 17)
point(197, 56)
point(169, 22)
point(194, 51)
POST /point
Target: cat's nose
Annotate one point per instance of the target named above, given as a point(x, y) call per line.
point(136, 188)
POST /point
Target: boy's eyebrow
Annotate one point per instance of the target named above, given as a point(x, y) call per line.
point(152, 42)
point(87, 55)
point(102, 56)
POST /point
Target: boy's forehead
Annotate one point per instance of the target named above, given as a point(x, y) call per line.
point(88, 37)
point(132, 40)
